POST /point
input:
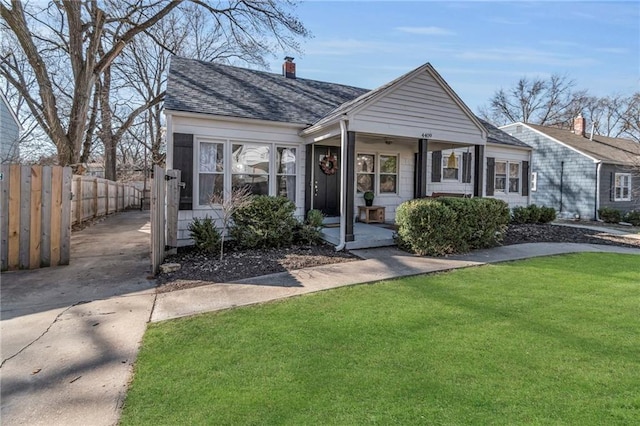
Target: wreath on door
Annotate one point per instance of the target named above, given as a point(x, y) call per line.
point(329, 164)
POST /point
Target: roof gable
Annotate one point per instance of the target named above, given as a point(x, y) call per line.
point(205, 87)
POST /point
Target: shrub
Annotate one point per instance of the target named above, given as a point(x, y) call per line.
point(309, 231)
point(547, 214)
point(610, 215)
point(264, 222)
point(451, 225)
point(633, 217)
point(520, 215)
point(426, 227)
point(205, 234)
point(534, 213)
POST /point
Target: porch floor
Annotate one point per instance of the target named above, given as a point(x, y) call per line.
point(365, 236)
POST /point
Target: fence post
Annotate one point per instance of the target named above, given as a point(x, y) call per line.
point(79, 199)
point(95, 196)
point(173, 198)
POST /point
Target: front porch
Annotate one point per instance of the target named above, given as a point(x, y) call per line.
point(365, 236)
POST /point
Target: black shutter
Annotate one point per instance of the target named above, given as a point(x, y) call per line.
point(416, 181)
point(612, 187)
point(525, 178)
point(183, 161)
point(436, 166)
point(491, 175)
point(466, 167)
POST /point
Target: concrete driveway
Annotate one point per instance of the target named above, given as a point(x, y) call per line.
point(70, 334)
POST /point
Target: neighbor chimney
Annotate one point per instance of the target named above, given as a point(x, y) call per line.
point(579, 125)
point(289, 67)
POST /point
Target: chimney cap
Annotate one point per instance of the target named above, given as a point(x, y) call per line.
point(289, 58)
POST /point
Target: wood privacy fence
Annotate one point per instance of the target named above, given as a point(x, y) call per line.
point(94, 197)
point(35, 216)
point(40, 203)
point(165, 196)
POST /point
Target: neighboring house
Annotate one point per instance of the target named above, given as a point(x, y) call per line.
point(577, 173)
point(324, 144)
point(9, 133)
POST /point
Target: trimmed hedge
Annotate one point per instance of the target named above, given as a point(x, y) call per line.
point(450, 225)
point(532, 214)
point(610, 215)
point(633, 217)
point(264, 222)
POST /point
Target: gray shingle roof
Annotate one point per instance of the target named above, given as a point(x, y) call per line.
point(497, 136)
point(205, 87)
point(609, 150)
point(209, 88)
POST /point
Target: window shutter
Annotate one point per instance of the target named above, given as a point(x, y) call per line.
point(612, 187)
point(183, 161)
point(466, 167)
point(525, 178)
point(491, 176)
point(436, 166)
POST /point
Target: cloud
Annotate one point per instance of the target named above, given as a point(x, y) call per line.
point(426, 31)
point(525, 55)
point(615, 50)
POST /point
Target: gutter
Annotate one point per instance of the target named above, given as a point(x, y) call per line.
point(598, 179)
point(343, 186)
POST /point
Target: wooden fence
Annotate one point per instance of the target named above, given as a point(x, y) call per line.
point(94, 197)
point(35, 216)
point(40, 203)
point(165, 196)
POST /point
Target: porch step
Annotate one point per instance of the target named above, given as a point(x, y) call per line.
point(366, 236)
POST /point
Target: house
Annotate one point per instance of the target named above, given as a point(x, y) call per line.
point(577, 173)
point(9, 133)
point(324, 144)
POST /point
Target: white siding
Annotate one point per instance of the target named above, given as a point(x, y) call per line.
point(418, 106)
point(503, 153)
point(449, 185)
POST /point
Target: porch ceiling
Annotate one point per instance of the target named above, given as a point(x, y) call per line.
point(371, 138)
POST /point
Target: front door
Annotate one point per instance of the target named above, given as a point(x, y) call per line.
point(326, 194)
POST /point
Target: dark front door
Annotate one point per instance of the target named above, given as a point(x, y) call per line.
point(326, 194)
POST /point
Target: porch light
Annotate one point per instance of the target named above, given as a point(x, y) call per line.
point(451, 161)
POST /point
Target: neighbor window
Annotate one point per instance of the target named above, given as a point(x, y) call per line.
point(250, 167)
point(211, 175)
point(365, 172)
point(450, 167)
point(622, 187)
point(286, 172)
point(388, 178)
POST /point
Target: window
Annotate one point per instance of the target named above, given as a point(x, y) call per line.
point(534, 181)
point(286, 172)
point(501, 176)
point(514, 177)
point(211, 173)
point(622, 187)
point(450, 167)
point(365, 172)
point(250, 167)
point(388, 174)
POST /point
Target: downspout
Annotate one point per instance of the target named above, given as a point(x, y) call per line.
point(598, 167)
point(561, 183)
point(343, 186)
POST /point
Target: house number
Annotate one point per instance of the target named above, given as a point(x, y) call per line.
point(426, 135)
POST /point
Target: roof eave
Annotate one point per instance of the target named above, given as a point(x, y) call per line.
point(229, 118)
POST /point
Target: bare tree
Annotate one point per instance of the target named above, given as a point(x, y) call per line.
point(630, 118)
point(88, 36)
point(225, 204)
point(536, 100)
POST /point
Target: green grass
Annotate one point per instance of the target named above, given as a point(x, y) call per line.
point(545, 341)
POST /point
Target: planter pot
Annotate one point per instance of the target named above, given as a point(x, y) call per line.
point(368, 203)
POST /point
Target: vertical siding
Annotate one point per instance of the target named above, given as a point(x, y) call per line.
point(579, 176)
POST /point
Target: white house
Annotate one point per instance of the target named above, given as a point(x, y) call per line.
point(324, 144)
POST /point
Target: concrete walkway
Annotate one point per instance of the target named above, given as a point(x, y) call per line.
point(377, 264)
point(70, 334)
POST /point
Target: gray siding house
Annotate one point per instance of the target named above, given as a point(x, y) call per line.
point(323, 145)
point(9, 133)
point(578, 173)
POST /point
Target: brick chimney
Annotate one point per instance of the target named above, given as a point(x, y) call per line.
point(579, 125)
point(289, 67)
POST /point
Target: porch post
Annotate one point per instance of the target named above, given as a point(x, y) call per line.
point(420, 191)
point(348, 164)
point(478, 176)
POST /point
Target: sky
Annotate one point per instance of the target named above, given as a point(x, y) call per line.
point(478, 47)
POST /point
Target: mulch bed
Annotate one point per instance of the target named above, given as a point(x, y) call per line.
point(201, 268)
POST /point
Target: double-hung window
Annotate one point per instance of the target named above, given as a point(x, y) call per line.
point(377, 172)
point(250, 167)
point(507, 177)
point(211, 173)
point(622, 187)
point(286, 172)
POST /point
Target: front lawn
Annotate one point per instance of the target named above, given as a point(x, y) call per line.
point(545, 341)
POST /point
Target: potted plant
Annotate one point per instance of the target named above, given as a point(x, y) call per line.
point(368, 198)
